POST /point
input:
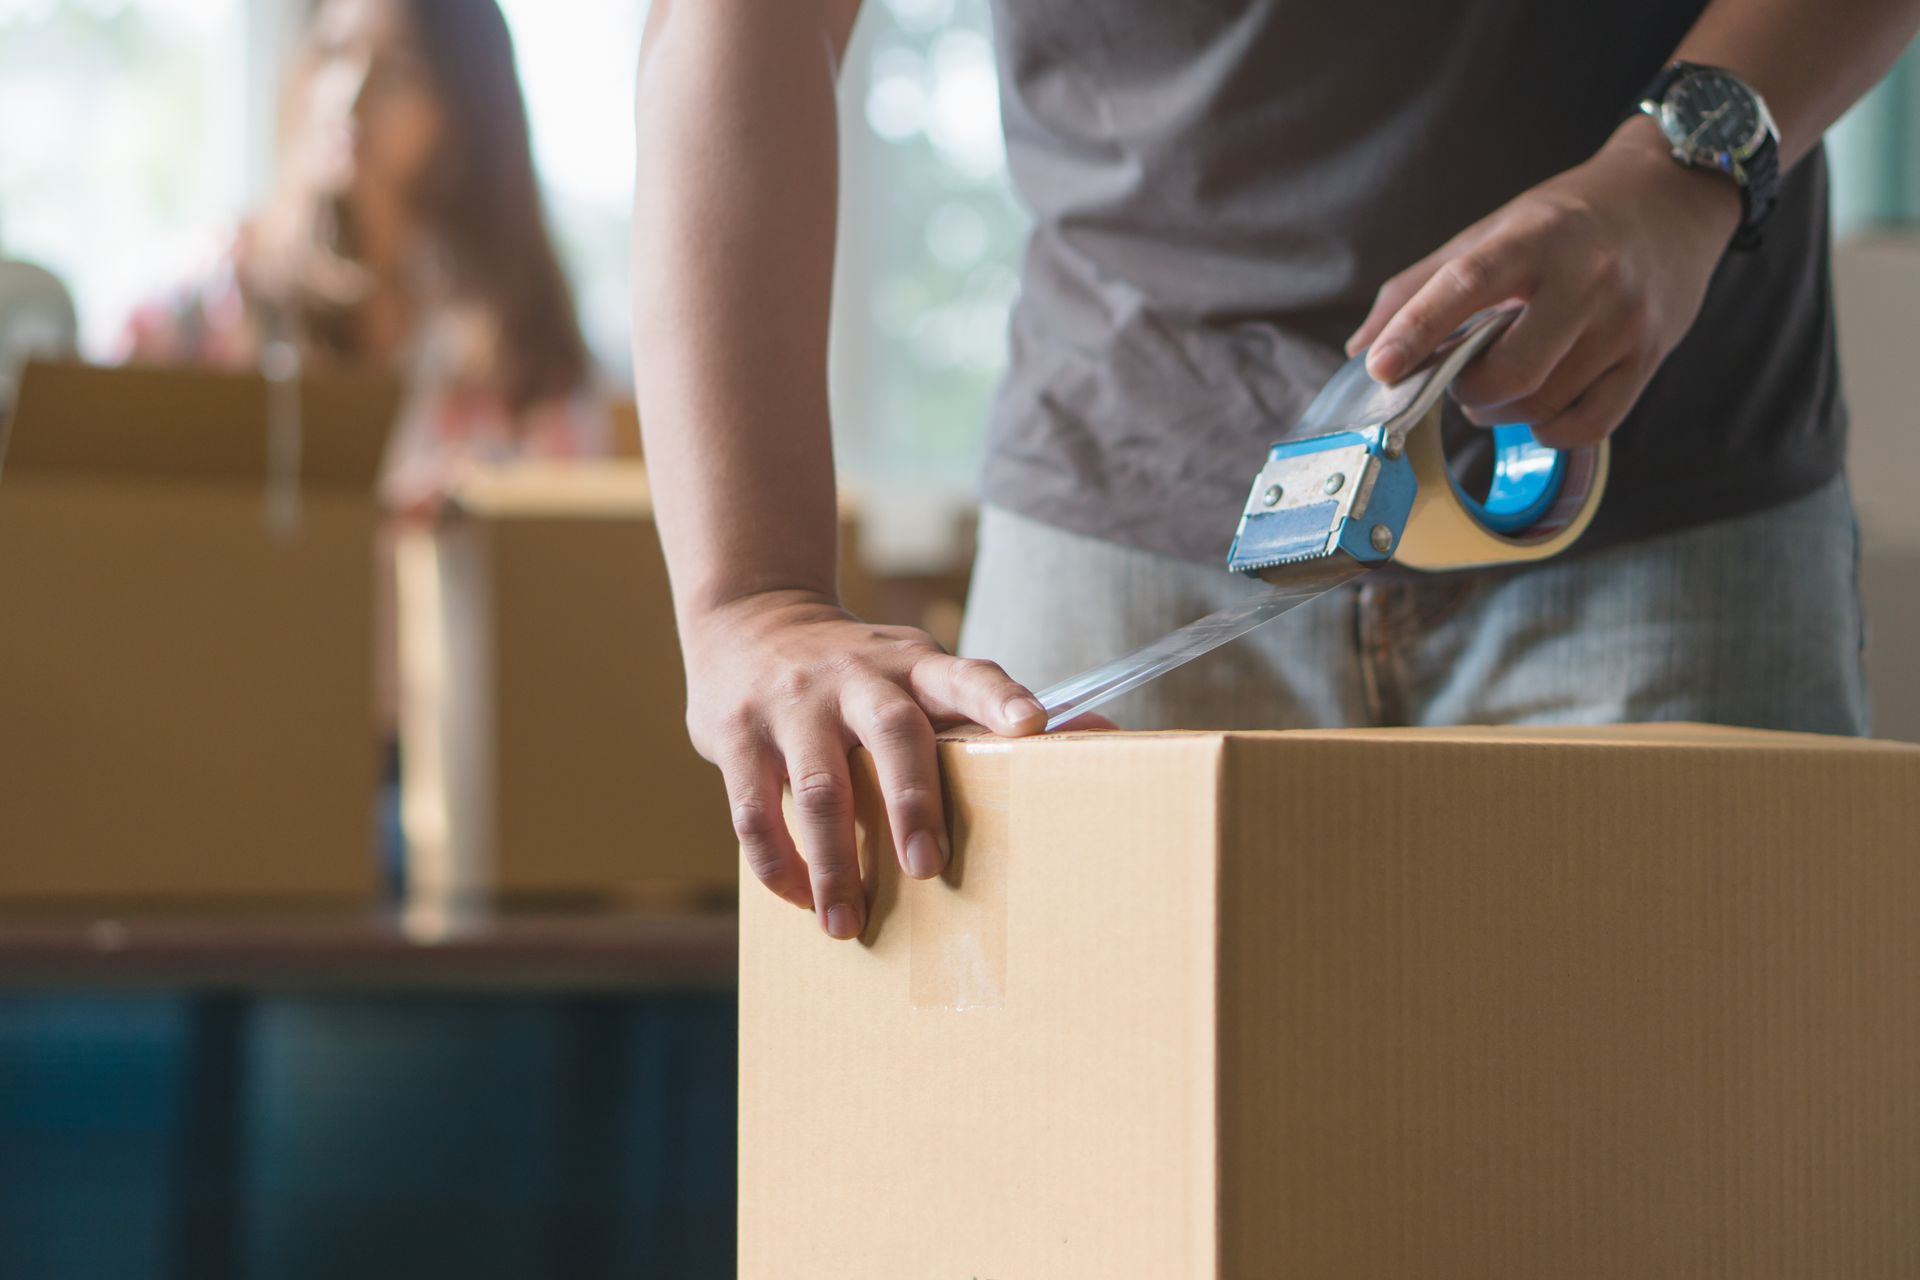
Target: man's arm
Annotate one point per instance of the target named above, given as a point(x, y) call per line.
point(733, 228)
point(1613, 258)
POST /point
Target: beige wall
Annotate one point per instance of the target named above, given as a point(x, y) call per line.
point(1877, 286)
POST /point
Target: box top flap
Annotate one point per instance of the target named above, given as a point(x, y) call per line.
point(1677, 735)
point(571, 488)
point(563, 488)
point(146, 423)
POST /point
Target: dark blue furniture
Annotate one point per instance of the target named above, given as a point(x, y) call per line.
point(275, 1102)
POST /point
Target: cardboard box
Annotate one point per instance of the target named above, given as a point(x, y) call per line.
point(1445, 1005)
point(185, 666)
point(543, 707)
point(544, 702)
point(623, 426)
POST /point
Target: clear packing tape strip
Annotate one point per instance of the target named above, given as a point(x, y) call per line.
point(1099, 685)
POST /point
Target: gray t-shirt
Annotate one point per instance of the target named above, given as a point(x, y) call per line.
point(1220, 186)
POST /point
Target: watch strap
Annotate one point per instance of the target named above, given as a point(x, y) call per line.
point(1758, 194)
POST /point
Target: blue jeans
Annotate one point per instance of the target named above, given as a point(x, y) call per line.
point(1754, 621)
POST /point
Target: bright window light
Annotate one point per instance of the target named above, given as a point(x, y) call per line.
point(123, 162)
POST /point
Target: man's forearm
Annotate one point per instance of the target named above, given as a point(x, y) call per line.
point(1613, 257)
point(733, 260)
point(1810, 59)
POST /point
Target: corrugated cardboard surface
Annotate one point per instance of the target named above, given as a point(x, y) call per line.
point(555, 700)
point(1637, 1002)
point(913, 1107)
point(545, 722)
point(187, 695)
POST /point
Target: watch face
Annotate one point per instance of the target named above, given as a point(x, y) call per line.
point(1713, 112)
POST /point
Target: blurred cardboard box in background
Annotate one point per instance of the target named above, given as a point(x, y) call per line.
point(186, 673)
point(1580, 1004)
point(623, 429)
point(545, 746)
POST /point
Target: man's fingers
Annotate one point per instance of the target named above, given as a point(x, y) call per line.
point(1592, 356)
point(972, 689)
point(1393, 295)
point(1592, 417)
point(823, 797)
point(1529, 352)
point(1463, 284)
point(897, 733)
point(753, 777)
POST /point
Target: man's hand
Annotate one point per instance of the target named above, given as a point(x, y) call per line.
point(782, 686)
point(1611, 261)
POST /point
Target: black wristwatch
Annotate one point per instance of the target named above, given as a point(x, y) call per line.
point(1715, 120)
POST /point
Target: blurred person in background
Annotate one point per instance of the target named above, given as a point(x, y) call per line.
point(405, 231)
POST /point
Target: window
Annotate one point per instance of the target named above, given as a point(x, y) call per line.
point(929, 234)
point(930, 244)
point(137, 133)
point(1876, 154)
point(577, 64)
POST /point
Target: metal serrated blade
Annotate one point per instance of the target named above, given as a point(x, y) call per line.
point(1099, 685)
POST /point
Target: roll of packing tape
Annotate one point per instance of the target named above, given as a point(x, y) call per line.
point(1448, 530)
point(1541, 500)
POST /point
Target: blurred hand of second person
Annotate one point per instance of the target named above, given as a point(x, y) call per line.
point(1611, 261)
point(782, 686)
